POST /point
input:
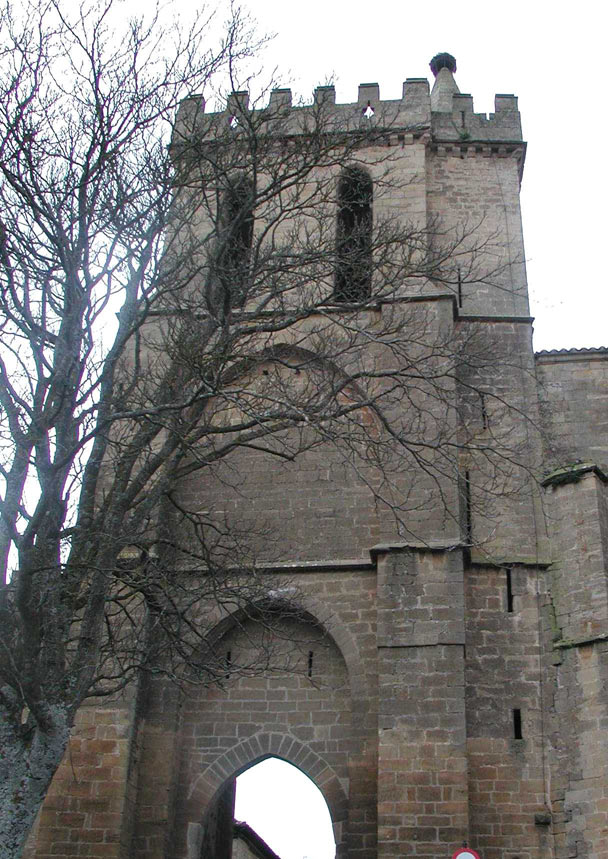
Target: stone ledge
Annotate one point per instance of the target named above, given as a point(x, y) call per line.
point(417, 546)
point(337, 564)
point(568, 643)
point(572, 474)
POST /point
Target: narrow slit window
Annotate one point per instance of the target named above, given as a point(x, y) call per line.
point(517, 732)
point(228, 663)
point(236, 237)
point(353, 279)
point(509, 591)
point(310, 660)
point(484, 411)
point(468, 518)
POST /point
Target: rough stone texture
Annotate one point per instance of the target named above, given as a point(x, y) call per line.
point(321, 506)
point(482, 189)
point(506, 779)
point(89, 810)
point(422, 785)
point(579, 761)
point(575, 618)
point(573, 388)
point(429, 658)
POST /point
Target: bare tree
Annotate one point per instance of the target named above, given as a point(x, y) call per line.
point(167, 309)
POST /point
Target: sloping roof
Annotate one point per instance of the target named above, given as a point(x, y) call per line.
point(590, 350)
point(257, 845)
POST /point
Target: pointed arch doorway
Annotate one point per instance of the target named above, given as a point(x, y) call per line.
point(286, 809)
point(272, 810)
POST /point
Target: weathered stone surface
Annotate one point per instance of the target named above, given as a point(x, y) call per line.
point(455, 694)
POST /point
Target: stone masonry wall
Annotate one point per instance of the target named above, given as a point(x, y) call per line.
point(499, 412)
point(458, 688)
point(324, 724)
point(576, 662)
point(476, 193)
point(503, 667)
point(577, 682)
point(422, 790)
point(88, 810)
point(330, 504)
point(573, 387)
point(578, 520)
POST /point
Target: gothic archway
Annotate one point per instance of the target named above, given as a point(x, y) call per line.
point(286, 809)
point(301, 716)
point(283, 807)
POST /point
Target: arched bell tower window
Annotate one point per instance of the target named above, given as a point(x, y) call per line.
point(354, 236)
point(236, 237)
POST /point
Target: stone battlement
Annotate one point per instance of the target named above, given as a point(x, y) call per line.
point(431, 555)
point(446, 112)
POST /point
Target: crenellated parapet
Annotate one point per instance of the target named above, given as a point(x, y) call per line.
point(446, 113)
point(411, 113)
point(461, 122)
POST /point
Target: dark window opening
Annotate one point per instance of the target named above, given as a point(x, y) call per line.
point(484, 412)
point(517, 733)
point(354, 237)
point(468, 517)
point(459, 287)
point(509, 591)
point(310, 658)
point(228, 663)
point(236, 237)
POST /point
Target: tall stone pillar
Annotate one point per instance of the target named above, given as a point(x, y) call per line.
point(422, 791)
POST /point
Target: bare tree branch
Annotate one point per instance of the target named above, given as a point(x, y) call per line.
point(171, 305)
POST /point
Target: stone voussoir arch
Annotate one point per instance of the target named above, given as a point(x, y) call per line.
point(302, 358)
point(344, 640)
point(314, 611)
point(286, 353)
point(208, 784)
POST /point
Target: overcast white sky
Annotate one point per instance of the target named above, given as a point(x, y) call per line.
point(286, 809)
point(552, 56)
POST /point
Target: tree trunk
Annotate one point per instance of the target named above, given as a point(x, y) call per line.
point(27, 766)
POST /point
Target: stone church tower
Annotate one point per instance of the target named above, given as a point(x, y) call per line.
point(460, 668)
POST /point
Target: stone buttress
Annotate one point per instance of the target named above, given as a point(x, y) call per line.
point(461, 694)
